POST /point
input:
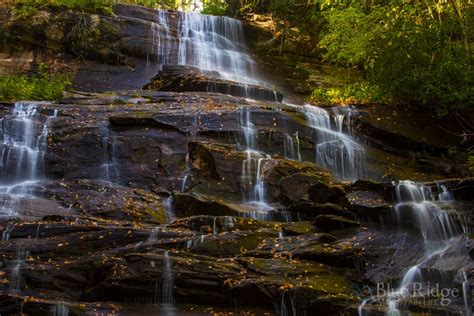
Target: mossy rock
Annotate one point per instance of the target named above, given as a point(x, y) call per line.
point(334, 222)
point(321, 192)
point(297, 228)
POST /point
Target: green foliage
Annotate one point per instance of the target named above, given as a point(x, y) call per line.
point(347, 94)
point(26, 8)
point(215, 7)
point(470, 162)
point(43, 86)
point(83, 35)
point(412, 53)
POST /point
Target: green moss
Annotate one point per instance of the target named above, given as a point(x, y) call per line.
point(157, 214)
point(298, 228)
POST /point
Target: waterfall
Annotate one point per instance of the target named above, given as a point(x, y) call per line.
point(253, 184)
point(193, 242)
point(291, 148)
point(22, 155)
point(60, 309)
point(165, 49)
point(7, 231)
point(215, 43)
point(109, 169)
point(153, 234)
point(168, 279)
point(252, 177)
point(415, 203)
point(335, 150)
point(210, 43)
point(168, 205)
point(187, 171)
point(15, 273)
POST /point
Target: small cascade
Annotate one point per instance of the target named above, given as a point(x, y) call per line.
point(22, 155)
point(154, 234)
point(252, 177)
point(163, 41)
point(7, 231)
point(253, 184)
point(335, 150)
point(194, 242)
point(110, 168)
point(283, 309)
point(292, 146)
point(60, 309)
point(187, 171)
point(228, 223)
point(415, 204)
point(168, 279)
point(15, 273)
point(168, 205)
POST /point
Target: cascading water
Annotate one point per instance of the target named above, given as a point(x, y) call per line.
point(168, 279)
point(215, 43)
point(335, 150)
point(291, 146)
point(187, 171)
point(253, 185)
point(415, 205)
point(22, 152)
point(163, 42)
point(109, 169)
point(168, 205)
point(15, 273)
point(60, 309)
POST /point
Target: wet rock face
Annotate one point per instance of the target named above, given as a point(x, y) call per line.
point(121, 167)
point(189, 79)
point(145, 196)
point(107, 38)
point(96, 229)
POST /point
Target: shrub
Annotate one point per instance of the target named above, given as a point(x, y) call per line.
point(411, 53)
point(42, 86)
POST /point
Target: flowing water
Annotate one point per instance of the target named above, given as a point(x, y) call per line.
point(60, 309)
point(335, 150)
point(252, 181)
point(416, 208)
point(168, 205)
point(215, 43)
point(110, 168)
point(291, 146)
point(187, 171)
point(168, 279)
point(15, 273)
point(23, 148)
